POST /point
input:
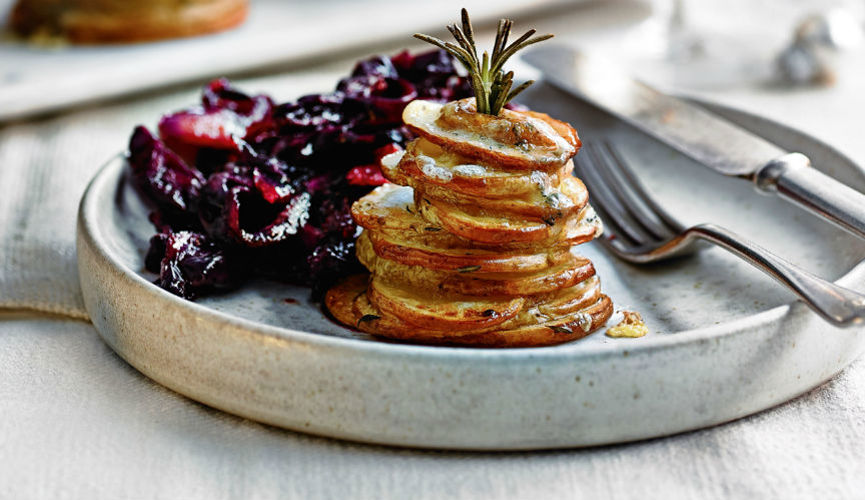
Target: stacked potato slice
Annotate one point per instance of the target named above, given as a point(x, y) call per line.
point(474, 241)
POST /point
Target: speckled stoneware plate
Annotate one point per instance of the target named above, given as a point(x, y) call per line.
point(725, 340)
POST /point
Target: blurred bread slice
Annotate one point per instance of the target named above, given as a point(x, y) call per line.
point(121, 21)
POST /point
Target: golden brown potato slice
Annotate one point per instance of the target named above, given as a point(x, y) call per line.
point(520, 284)
point(339, 299)
point(477, 224)
point(491, 227)
point(448, 258)
point(518, 140)
point(564, 129)
point(468, 281)
point(565, 329)
point(424, 162)
point(583, 228)
point(348, 303)
point(368, 318)
point(576, 231)
point(562, 302)
point(433, 311)
point(384, 207)
point(564, 200)
point(550, 306)
point(390, 209)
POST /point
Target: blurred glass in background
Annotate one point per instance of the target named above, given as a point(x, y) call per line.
point(714, 44)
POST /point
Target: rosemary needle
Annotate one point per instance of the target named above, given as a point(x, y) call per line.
point(491, 85)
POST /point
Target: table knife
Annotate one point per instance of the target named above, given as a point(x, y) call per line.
point(701, 135)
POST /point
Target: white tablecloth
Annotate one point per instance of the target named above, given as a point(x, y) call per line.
point(77, 422)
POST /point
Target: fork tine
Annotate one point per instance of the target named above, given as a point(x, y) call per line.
point(612, 230)
point(642, 213)
point(673, 226)
point(606, 203)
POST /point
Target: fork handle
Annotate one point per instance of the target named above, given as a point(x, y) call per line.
point(838, 305)
point(792, 178)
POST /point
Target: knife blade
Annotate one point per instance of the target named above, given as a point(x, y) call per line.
point(701, 135)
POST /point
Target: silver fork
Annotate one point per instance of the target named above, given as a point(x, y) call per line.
point(640, 231)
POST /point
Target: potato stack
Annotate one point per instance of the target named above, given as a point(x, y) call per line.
point(474, 241)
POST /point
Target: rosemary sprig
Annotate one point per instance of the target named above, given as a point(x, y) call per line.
point(491, 85)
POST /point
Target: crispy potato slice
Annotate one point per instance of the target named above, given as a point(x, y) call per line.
point(474, 223)
point(426, 163)
point(370, 319)
point(453, 259)
point(569, 300)
point(576, 231)
point(564, 200)
point(518, 140)
point(442, 312)
point(348, 303)
point(491, 227)
point(572, 327)
point(548, 307)
point(339, 299)
point(554, 278)
point(391, 210)
point(384, 207)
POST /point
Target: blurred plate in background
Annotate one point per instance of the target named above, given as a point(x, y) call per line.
point(36, 79)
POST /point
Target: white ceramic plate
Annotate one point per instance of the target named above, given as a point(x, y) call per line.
point(724, 342)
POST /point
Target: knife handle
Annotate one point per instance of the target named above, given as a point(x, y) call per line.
point(792, 177)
